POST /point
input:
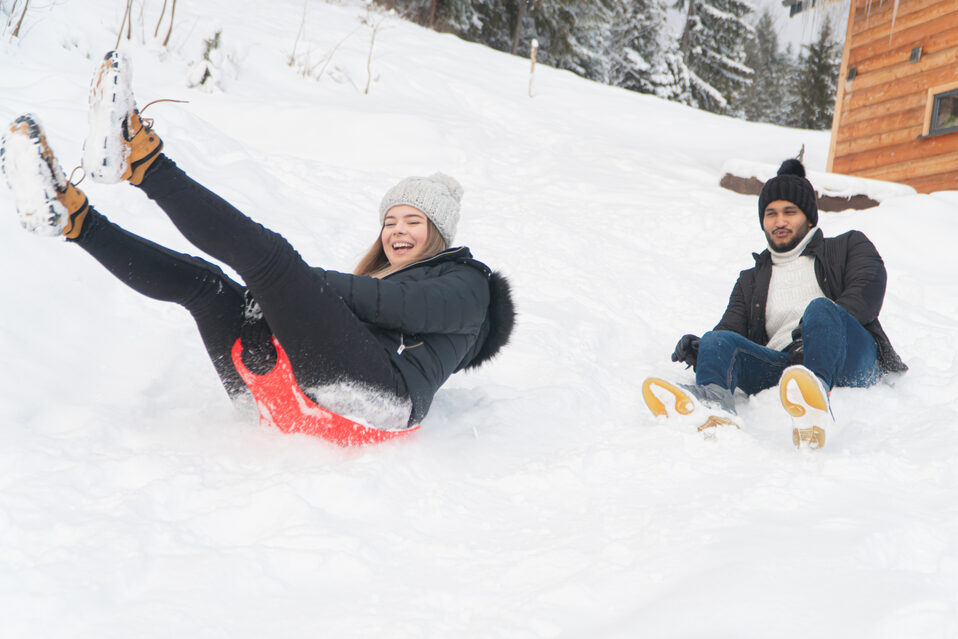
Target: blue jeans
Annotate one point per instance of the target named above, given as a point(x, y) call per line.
point(837, 348)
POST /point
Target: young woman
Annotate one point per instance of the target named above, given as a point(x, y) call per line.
point(374, 345)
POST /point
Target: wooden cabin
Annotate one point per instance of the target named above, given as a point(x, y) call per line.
point(896, 111)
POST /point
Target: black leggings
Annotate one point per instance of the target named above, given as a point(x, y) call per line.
point(326, 343)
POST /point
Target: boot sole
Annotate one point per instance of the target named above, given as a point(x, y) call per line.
point(106, 151)
point(34, 177)
point(806, 432)
point(684, 404)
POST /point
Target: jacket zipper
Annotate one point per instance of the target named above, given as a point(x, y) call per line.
point(446, 253)
point(402, 344)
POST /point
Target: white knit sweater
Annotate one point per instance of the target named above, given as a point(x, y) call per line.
point(792, 287)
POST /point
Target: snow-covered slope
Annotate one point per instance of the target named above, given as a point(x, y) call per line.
point(539, 499)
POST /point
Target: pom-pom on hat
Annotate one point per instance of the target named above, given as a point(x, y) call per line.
point(437, 196)
point(791, 185)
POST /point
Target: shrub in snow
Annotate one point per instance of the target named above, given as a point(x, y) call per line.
point(213, 69)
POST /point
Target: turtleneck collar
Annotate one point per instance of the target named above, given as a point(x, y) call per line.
point(788, 256)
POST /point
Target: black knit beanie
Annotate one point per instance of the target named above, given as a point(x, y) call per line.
point(790, 185)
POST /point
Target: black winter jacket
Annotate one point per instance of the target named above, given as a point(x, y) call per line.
point(434, 317)
point(849, 271)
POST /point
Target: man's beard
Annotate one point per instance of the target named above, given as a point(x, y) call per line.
point(795, 241)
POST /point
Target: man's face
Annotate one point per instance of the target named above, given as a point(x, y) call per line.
point(785, 225)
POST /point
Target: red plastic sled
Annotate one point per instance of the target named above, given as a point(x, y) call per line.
point(283, 404)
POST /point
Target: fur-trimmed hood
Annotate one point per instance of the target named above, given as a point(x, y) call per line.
point(502, 319)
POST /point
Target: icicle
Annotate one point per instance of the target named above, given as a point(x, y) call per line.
point(894, 16)
point(819, 9)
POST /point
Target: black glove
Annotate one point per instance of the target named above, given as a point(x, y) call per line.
point(259, 355)
point(687, 350)
point(796, 350)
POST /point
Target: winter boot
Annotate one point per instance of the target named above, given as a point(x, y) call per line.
point(119, 145)
point(704, 406)
point(804, 398)
point(47, 203)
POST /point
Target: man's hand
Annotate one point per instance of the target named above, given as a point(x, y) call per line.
point(796, 350)
point(687, 350)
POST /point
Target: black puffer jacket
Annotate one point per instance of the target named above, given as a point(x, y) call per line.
point(434, 317)
point(849, 271)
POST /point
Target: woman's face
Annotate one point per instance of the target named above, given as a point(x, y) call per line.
point(404, 234)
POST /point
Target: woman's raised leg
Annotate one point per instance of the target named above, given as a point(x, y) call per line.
point(213, 300)
point(324, 339)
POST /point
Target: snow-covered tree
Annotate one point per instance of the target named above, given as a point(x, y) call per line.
point(634, 52)
point(713, 45)
point(674, 80)
point(457, 16)
point(768, 97)
point(573, 34)
point(817, 80)
point(503, 24)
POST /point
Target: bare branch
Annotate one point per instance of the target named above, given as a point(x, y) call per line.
point(166, 41)
point(13, 10)
point(156, 32)
point(329, 57)
point(126, 14)
point(143, 22)
point(16, 31)
point(369, 60)
point(302, 27)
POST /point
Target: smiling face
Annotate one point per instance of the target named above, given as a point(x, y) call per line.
point(785, 225)
point(404, 234)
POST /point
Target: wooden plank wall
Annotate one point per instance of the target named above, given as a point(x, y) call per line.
point(879, 115)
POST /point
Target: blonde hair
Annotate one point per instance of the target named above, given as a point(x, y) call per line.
point(375, 263)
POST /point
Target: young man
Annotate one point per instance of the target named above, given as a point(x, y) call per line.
point(806, 313)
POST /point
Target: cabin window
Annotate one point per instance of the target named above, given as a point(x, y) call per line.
point(797, 6)
point(944, 113)
point(941, 111)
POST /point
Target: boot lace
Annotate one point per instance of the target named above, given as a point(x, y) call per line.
point(148, 122)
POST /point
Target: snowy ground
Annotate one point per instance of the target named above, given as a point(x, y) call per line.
point(539, 499)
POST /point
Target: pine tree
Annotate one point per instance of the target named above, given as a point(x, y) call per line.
point(817, 80)
point(765, 98)
point(505, 25)
point(634, 52)
point(457, 16)
point(572, 34)
point(789, 112)
point(415, 10)
point(713, 45)
point(673, 81)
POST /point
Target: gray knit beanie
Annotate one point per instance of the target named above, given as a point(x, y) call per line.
point(437, 196)
point(791, 185)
